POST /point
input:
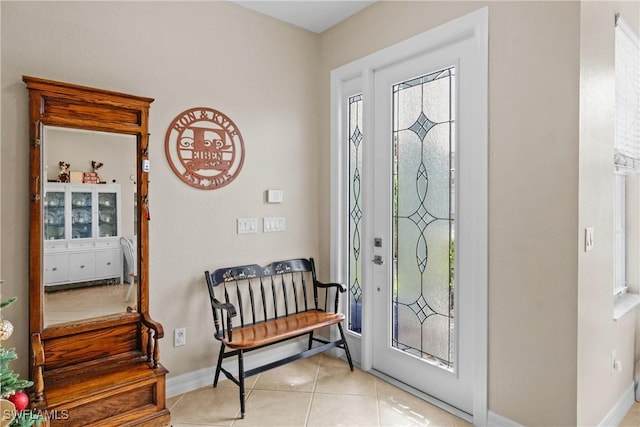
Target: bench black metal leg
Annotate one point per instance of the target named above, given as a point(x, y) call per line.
point(219, 365)
point(310, 340)
point(346, 347)
point(241, 381)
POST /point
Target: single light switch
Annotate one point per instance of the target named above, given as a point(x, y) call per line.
point(588, 239)
point(275, 196)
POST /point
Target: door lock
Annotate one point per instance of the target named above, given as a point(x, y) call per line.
point(377, 259)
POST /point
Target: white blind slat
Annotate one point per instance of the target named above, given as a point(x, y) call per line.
point(627, 76)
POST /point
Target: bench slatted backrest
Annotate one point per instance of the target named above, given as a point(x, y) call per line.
point(223, 277)
point(291, 276)
point(276, 290)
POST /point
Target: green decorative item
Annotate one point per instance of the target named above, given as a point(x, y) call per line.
point(9, 381)
point(11, 386)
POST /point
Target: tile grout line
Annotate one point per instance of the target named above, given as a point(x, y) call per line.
point(375, 385)
point(313, 392)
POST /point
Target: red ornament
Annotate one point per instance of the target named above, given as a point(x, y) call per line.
point(20, 400)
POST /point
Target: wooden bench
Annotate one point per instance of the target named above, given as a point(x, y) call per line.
point(254, 307)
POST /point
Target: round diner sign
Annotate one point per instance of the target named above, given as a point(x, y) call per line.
point(204, 148)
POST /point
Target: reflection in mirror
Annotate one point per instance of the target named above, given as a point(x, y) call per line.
point(89, 211)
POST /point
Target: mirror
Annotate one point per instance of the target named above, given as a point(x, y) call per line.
point(88, 259)
point(89, 320)
point(89, 229)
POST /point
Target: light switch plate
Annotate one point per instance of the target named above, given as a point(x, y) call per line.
point(588, 239)
point(275, 196)
point(247, 225)
point(274, 224)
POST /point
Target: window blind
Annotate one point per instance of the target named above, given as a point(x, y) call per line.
point(627, 76)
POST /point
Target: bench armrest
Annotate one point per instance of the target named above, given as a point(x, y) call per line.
point(342, 288)
point(225, 322)
point(224, 306)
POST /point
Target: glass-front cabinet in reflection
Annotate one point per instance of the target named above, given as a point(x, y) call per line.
point(81, 233)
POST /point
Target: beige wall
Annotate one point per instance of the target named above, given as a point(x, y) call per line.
point(598, 334)
point(533, 146)
point(260, 72)
point(273, 80)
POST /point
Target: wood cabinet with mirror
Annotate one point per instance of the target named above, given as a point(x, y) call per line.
point(94, 348)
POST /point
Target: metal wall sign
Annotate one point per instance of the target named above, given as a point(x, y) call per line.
point(204, 148)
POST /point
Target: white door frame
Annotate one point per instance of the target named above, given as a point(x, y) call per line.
point(472, 26)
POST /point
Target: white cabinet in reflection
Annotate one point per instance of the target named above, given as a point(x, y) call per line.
point(81, 233)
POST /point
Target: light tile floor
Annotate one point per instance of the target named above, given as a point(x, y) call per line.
point(84, 303)
point(318, 391)
point(632, 419)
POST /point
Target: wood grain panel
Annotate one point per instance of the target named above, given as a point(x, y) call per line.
point(105, 371)
point(105, 113)
point(106, 407)
point(82, 347)
point(282, 328)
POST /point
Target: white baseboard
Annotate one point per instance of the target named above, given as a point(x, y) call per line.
point(496, 420)
point(613, 418)
point(190, 381)
point(620, 408)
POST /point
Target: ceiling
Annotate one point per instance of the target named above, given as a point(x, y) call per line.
point(315, 16)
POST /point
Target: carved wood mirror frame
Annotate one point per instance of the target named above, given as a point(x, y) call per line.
point(78, 107)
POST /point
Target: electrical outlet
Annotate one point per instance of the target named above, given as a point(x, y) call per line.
point(179, 337)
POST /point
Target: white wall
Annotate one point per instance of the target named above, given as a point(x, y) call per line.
point(258, 71)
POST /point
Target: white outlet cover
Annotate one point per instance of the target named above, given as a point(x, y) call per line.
point(179, 337)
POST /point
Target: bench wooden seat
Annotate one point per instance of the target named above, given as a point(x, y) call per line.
point(254, 307)
point(277, 330)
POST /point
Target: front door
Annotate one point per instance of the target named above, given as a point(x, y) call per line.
point(422, 300)
point(409, 217)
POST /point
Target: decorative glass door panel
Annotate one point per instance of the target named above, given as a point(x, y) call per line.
point(81, 214)
point(355, 212)
point(54, 220)
point(423, 216)
point(107, 214)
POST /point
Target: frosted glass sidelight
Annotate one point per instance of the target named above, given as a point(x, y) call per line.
point(355, 212)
